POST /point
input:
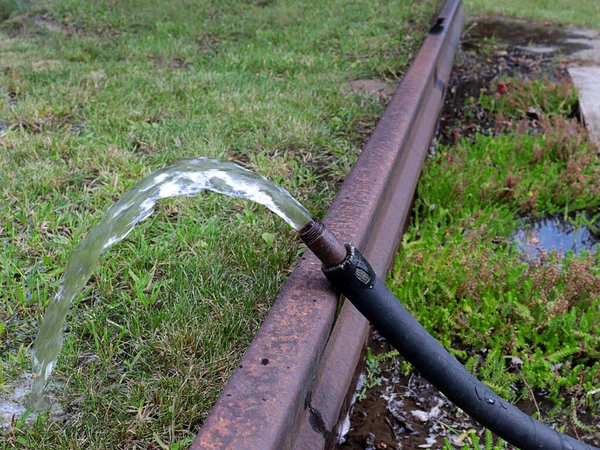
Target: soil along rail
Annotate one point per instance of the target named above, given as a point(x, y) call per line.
point(290, 388)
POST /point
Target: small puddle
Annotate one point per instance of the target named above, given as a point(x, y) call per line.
point(554, 234)
point(529, 36)
point(12, 406)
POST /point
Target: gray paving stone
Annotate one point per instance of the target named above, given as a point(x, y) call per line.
point(587, 81)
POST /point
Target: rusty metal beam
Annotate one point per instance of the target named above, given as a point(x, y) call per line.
point(402, 137)
point(291, 385)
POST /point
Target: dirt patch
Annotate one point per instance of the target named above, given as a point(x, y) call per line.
point(14, 28)
point(174, 63)
point(471, 77)
point(494, 47)
point(48, 22)
point(485, 56)
point(178, 64)
point(375, 88)
point(30, 26)
point(208, 44)
point(49, 123)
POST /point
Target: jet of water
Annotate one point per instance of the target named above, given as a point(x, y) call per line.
point(188, 177)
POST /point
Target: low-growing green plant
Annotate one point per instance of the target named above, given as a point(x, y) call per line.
point(473, 442)
point(588, 220)
point(519, 98)
point(372, 374)
point(528, 173)
point(485, 46)
point(521, 327)
point(467, 289)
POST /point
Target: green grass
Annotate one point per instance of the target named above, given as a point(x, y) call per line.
point(584, 13)
point(519, 326)
point(98, 94)
point(472, 441)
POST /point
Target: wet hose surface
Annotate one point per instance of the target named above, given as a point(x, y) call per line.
point(357, 281)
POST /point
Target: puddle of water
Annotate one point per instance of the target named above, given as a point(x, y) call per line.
point(554, 234)
point(526, 35)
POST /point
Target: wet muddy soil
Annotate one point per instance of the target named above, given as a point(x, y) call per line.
point(404, 411)
point(528, 36)
point(399, 409)
point(470, 79)
point(12, 405)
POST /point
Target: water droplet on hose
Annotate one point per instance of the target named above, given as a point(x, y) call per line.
point(491, 400)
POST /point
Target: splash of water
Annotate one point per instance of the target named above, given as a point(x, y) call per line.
point(186, 178)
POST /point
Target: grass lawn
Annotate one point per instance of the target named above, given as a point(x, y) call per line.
point(95, 95)
point(583, 13)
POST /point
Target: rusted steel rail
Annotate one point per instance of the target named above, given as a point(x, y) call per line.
point(292, 385)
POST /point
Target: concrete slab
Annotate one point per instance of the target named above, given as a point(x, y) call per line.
point(588, 38)
point(586, 77)
point(587, 81)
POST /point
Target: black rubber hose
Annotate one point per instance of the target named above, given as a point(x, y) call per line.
point(358, 282)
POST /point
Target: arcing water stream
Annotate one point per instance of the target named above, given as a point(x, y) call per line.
point(185, 178)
